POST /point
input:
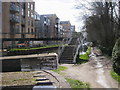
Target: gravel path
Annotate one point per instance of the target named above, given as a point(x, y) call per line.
point(96, 72)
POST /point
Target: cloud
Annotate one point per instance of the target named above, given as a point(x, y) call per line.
point(64, 9)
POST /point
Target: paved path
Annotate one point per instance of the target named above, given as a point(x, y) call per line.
point(96, 72)
point(62, 81)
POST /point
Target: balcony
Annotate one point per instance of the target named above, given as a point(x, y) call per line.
point(22, 21)
point(14, 8)
point(15, 31)
point(14, 19)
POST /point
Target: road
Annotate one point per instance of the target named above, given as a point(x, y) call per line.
point(96, 72)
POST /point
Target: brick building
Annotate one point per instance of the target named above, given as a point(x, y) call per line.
point(66, 28)
point(17, 21)
point(54, 22)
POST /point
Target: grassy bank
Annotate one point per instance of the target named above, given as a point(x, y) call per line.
point(18, 78)
point(115, 76)
point(19, 49)
point(83, 58)
point(77, 84)
point(60, 68)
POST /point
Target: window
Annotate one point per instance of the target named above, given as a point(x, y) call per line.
point(32, 15)
point(28, 5)
point(28, 13)
point(32, 30)
point(23, 5)
point(22, 11)
point(28, 30)
point(23, 29)
point(17, 29)
point(17, 18)
point(45, 18)
point(31, 6)
point(32, 23)
point(28, 22)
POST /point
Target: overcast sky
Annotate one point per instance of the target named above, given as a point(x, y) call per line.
point(64, 9)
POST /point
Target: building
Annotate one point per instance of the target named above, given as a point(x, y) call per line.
point(44, 26)
point(61, 30)
point(72, 28)
point(54, 23)
point(37, 25)
point(17, 21)
point(67, 28)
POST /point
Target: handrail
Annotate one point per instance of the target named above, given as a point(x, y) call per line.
point(69, 40)
point(76, 49)
point(61, 48)
point(65, 42)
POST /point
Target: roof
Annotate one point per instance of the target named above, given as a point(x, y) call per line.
point(64, 22)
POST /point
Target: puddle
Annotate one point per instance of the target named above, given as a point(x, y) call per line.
point(101, 79)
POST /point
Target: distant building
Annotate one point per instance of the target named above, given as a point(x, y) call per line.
point(54, 23)
point(67, 28)
point(61, 30)
point(17, 20)
point(37, 25)
point(72, 28)
point(44, 26)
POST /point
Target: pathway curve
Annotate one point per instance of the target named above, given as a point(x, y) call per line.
point(96, 71)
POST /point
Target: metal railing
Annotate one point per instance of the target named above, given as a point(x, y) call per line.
point(14, 7)
point(64, 43)
point(76, 49)
point(14, 19)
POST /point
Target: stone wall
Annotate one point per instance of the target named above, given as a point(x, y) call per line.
point(11, 65)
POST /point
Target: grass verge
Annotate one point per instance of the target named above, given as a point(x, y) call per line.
point(83, 58)
point(77, 84)
point(60, 68)
point(115, 76)
point(20, 49)
point(18, 78)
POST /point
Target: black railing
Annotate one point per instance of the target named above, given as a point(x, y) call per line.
point(32, 39)
point(14, 7)
point(14, 19)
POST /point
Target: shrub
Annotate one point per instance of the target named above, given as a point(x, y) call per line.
point(116, 57)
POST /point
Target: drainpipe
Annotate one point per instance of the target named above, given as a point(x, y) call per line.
point(1, 46)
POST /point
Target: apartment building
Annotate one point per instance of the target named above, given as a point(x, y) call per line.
point(67, 28)
point(61, 30)
point(45, 26)
point(17, 21)
point(37, 25)
point(72, 28)
point(54, 23)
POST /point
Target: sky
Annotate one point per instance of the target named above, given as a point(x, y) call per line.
point(64, 9)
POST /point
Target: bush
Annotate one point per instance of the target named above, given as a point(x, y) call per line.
point(116, 57)
point(106, 50)
point(83, 58)
point(115, 76)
